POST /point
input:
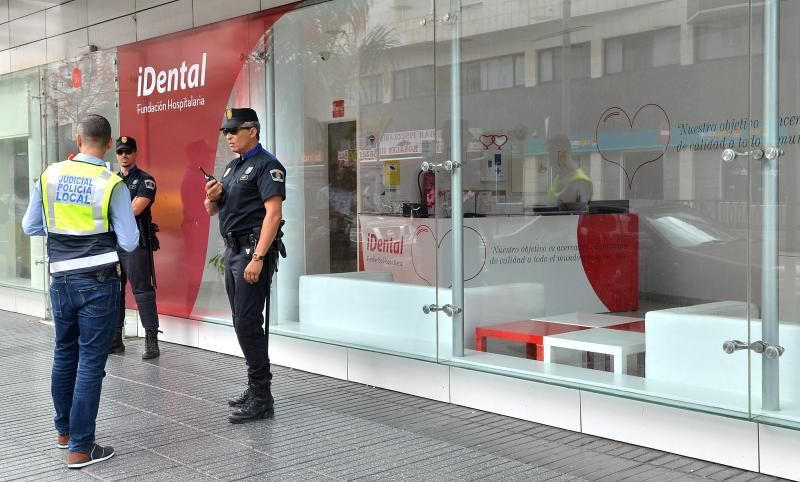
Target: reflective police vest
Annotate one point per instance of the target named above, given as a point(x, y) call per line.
point(560, 185)
point(76, 197)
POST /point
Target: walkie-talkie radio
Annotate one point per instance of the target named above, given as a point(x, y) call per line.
point(208, 176)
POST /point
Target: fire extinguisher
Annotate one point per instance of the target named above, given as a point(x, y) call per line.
point(427, 190)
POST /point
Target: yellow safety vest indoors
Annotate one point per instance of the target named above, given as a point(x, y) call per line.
point(560, 185)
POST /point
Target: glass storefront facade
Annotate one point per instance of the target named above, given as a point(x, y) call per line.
point(586, 193)
point(21, 258)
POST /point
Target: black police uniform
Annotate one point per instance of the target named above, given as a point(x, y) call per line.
point(137, 266)
point(247, 182)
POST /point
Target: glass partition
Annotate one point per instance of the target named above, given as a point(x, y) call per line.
point(604, 238)
point(21, 257)
point(775, 215)
point(354, 121)
point(73, 89)
point(580, 193)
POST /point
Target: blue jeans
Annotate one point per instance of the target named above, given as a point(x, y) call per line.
point(85, 314)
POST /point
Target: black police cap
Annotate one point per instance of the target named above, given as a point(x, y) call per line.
point(126, 142)
point(236, 117)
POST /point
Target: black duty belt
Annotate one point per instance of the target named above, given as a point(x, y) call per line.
point(237, 241)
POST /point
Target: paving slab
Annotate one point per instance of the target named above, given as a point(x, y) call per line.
point(167, 420)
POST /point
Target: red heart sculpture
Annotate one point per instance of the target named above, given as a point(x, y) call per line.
point(616, 120)
point(425, 247)
point(609, 247)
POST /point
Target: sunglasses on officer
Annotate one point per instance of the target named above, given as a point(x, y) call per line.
point(233, 130)
point(124, 152)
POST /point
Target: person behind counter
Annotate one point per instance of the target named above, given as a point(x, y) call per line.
point(571, 189)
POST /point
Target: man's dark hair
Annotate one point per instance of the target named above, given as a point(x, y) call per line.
point(95, 129)
point(251, 124)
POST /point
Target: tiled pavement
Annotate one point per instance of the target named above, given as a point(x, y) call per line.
point(166, 419)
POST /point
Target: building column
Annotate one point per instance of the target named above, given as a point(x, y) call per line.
point(685, 175)
point(596, 173)
point(687, 40)
point(531, 67)
point(596, 58)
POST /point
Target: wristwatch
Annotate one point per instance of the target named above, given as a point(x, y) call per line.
point(257, 257)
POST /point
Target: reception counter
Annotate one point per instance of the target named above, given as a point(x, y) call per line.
point(587, 263)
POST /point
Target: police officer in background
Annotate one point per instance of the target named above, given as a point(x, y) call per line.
point(138, 265)
point(249, 200)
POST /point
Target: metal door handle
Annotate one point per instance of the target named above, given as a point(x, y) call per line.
point(773, 351)
point(729, 155)
point(772, 152)
point(433, 166)
point(430, 166)
point(451, 310)
point(731, 346)
point(450, 165)
point(769, 351)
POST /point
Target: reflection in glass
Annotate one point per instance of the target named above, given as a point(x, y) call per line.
point(21, 257)
point(689, 231)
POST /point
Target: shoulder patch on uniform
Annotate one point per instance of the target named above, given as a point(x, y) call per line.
point(150, 183)
point(227, 171)
point(277, 175)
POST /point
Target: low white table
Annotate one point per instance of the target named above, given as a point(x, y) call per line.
point(617, 343)
point(593, 320)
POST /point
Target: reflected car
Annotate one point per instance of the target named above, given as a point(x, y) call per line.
point(686, 257)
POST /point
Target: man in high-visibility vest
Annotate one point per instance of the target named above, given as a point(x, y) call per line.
point(85, 212)
point(571, 188)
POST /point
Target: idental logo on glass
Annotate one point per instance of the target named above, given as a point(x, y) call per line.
point(179, 78)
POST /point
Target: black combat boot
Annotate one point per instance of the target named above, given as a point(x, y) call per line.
point(117, 346)
point(259, 405)
point(150, 344)
point(239, 400)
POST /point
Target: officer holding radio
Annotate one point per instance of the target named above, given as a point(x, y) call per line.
point(249, 200)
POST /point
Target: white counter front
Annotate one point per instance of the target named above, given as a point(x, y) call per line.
point(586, 263)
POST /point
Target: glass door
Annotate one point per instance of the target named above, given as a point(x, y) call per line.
point(22, 258)
point(775, 214)
point(353, 102)
point(599, 237)
point(72, 89)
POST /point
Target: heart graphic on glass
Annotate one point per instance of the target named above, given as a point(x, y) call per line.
point(617, 132)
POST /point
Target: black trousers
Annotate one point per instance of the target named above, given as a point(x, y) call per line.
point(136, 269)
point(248, 303)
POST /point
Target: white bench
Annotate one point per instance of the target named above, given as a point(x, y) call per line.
point(369, 309)
point(684, 348)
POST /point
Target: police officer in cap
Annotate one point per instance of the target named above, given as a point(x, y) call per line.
point(249, 200)
point(137, 267)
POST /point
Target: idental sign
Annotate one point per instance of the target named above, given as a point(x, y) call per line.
point(179, 78)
